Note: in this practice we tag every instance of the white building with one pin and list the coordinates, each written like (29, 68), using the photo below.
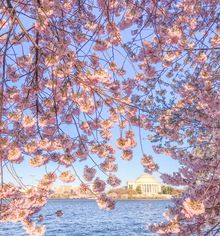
(147, 184)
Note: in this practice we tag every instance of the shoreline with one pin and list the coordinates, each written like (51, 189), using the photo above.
(135, 199)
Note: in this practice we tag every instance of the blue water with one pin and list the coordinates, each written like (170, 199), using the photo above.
(84, 218)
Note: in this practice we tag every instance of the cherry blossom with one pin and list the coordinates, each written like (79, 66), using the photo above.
(193, 207)
(105, 202)
(89, 173)
(88, 82)
(67, 177)
(98, 185)
(38, 160)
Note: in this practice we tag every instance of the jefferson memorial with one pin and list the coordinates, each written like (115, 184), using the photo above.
(147, 184)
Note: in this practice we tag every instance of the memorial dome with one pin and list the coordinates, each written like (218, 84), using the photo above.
(146, 178)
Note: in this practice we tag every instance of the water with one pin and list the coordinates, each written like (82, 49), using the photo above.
(84, 218)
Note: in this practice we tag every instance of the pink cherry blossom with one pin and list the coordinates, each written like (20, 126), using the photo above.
(38, 160)
(105, 202)
(66, 160)
(98, 185)
(14, 154)
(88, 82)
(28, 121)
(89, 173)
(193, 207)
(113, 181)
(67, 177)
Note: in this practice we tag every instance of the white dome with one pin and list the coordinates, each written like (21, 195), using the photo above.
(146, 178)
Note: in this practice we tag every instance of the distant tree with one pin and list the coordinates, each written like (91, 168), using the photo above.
(131, 193)
(167, 190)
(119, 191)
(138, 190)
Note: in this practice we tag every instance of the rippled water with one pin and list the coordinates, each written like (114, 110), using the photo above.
(84, 218)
